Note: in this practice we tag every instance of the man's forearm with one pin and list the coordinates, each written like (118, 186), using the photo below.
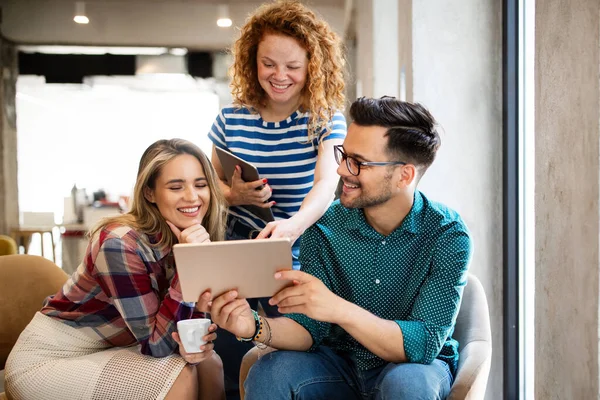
(380, 336)
(286, 334)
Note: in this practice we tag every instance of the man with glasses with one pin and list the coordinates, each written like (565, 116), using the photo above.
(373, 308)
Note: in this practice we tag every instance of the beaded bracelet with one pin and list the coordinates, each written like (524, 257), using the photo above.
(258, 322)
(266, 343)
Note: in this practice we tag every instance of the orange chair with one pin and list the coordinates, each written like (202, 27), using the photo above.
(25, 281)
(8, 246)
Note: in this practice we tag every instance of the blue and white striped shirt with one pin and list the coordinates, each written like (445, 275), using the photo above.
(280, 151)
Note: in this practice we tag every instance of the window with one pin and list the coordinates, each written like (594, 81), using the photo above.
(93, 135)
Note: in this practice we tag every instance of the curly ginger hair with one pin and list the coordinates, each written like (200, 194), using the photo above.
(326, 61)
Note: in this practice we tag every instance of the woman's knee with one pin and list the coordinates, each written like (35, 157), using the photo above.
(214, 363)
(185, 386)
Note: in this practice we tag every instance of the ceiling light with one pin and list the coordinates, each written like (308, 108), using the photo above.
(223, 20)
(80, 16)
(178, 51)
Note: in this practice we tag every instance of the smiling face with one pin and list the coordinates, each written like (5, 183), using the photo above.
(374, 185)
(181, 191)
(282, 69)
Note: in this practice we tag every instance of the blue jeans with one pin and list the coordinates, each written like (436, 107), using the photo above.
(323, 374)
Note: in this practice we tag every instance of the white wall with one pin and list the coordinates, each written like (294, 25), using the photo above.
(454, 67)
(457, 67)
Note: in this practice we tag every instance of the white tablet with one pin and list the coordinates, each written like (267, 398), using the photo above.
(249, 174)
(245, 265)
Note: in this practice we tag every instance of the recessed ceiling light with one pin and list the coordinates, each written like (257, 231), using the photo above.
(80, 16)
(178, 51)
(223, 20)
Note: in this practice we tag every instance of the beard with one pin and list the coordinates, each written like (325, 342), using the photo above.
(367, 199)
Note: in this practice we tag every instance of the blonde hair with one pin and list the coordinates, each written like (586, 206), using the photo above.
(323, 93)
(145, 217)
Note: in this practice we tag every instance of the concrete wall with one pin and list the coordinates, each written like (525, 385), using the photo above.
(383, 46)
(405, 49)
(386, 71)
(364, 48)
(566, 199)
(9, 207)
(457, 67)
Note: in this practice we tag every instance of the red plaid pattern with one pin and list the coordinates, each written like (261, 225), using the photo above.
(125, 291)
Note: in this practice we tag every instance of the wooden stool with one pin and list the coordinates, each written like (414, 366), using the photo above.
(23, 238)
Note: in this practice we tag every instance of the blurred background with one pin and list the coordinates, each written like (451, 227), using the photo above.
(87, 86)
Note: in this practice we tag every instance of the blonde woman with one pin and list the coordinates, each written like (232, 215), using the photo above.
(110, 332)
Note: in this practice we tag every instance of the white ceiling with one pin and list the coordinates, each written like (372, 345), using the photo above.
(166, 23)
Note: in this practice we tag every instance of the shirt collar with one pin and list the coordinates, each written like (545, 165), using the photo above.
(411, 221)
(357, 220)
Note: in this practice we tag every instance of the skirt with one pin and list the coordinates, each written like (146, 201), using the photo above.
(52, 360)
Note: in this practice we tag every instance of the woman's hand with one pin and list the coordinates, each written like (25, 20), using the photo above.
(283, 228)
(193, 234)
(254, 193)
(207, 348)
(233, 314)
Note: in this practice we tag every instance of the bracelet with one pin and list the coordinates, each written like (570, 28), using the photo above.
(258, 322)
(266, 343)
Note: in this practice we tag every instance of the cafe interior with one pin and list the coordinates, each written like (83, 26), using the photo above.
(88, 85)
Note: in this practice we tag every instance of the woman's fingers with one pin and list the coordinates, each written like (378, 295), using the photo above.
(206, 349)
(210, 337)
(194, 234)
(194, 358)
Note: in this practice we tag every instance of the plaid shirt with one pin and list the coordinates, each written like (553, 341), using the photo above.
(124, 292)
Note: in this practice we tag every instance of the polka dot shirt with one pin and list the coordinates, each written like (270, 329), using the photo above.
(414, 276)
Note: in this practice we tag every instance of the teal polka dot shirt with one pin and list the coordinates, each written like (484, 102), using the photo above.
(414, 276)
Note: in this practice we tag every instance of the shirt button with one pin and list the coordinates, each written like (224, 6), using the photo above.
(377, 281)
(383, 242)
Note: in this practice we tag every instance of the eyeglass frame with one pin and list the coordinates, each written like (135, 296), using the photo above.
(338, 148)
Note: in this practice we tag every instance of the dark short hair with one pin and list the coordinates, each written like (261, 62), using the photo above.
(412, 134)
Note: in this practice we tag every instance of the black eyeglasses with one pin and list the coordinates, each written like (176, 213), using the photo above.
(354, 165)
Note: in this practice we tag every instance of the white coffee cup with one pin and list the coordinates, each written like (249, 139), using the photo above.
(191, 332)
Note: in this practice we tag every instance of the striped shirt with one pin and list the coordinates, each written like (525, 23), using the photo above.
(280, 151)
(126, 291)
